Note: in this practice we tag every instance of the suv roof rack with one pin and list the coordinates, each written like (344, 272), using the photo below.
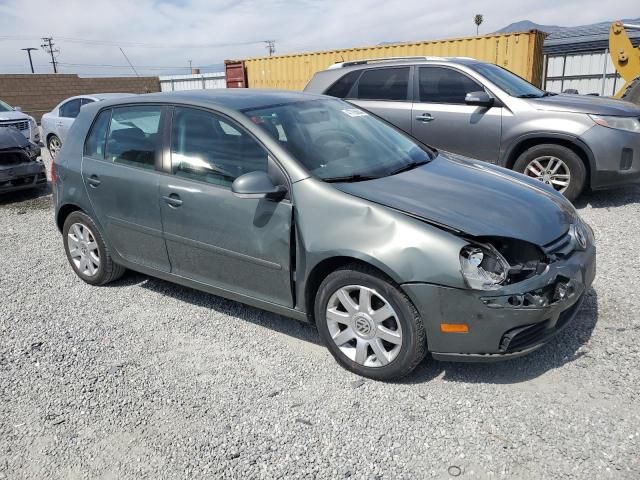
(366, 61)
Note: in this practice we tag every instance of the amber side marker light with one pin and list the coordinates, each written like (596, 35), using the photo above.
(454, 327)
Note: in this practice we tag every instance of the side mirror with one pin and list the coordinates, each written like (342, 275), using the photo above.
(481, 99)
(257, 185)
(17, 109)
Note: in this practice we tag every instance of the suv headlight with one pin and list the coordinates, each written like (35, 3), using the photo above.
(482, 267)
(631, 124)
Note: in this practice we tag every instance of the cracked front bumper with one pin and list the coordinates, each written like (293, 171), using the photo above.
(500, 325)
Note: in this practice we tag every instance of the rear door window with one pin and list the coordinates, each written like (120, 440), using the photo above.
(343, 87)
(384, 84)
(94, 146)
(71, 109)
(211, 148)
(134, 137)
(445, 85)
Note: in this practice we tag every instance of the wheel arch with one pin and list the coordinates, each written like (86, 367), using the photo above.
(523, 143)
(64, 211)
(328, 265)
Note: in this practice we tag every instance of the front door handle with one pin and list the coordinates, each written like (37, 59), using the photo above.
(59, 124)
(93, 181)
(425, 118)
(173, 200)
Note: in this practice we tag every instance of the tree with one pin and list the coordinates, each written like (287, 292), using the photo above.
(478, 21)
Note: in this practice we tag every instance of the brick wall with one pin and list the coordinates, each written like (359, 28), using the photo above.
(38, 94)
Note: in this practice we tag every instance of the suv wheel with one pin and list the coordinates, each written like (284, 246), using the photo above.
(86, 251)
(368, 324)
(555, 165)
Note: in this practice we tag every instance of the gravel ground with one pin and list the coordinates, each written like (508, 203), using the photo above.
(146, 379)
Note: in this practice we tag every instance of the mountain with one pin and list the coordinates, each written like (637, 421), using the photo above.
(526, 25)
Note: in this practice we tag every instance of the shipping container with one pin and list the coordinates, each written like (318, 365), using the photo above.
(235, 73)
(519, 52)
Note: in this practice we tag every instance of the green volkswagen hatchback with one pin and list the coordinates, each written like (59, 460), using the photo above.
(312, 208)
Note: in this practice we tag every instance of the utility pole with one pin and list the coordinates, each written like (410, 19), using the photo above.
(271, 46)
(190, 68)
(28, 50)
(48, 47)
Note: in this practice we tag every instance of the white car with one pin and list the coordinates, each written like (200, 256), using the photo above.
(13, 117)
(56, 123)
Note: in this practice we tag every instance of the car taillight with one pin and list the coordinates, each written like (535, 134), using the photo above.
(53, 171)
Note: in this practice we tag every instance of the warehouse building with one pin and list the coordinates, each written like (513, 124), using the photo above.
(577, 59)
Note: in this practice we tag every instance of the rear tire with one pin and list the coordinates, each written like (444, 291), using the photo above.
(54, 144)
(87, 252)
(380, 335)
(548, 154)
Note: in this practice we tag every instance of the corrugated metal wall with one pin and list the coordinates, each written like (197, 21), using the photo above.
(519, 52)
(170, 83)
(582, 72)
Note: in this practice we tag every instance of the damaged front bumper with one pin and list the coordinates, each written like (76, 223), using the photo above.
(20, 175)
(505, 323)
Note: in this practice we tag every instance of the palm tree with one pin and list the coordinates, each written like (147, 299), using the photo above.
(478, 21)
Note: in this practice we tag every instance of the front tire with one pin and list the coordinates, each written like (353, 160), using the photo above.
(87, 252)
(368, 324)
(555, 165)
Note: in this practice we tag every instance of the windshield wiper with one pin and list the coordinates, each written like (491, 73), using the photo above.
(530, 95)
(409, 166)
(350, 178)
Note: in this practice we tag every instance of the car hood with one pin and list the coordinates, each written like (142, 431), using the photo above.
(13, 115)
(586, 104)
(10, 138)
(474, 198)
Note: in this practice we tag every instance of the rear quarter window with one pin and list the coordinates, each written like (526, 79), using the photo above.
(94, 145)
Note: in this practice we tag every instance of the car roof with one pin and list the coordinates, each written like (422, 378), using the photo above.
(233, 98)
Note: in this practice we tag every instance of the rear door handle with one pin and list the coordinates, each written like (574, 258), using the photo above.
(94, 181)
(59, 124)
(173, 200)
(425, 118)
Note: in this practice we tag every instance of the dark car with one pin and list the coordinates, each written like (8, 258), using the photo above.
(20, 163)
(307, 206)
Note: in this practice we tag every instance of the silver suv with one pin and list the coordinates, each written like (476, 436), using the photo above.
(481, 110)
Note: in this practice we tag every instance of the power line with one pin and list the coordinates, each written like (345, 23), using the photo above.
(47, 46)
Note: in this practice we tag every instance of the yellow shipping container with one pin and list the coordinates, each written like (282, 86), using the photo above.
(519, 52)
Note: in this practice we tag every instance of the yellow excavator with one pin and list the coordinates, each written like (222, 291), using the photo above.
(626, 60)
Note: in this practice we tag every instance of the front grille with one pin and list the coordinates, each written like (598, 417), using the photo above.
(20, 125)
(529, 335)
(561, 246)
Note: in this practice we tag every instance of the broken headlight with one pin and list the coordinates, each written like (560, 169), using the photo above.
(483, 267)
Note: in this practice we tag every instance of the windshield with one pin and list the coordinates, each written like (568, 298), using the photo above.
(512, 84)
(336, 141)
(5, 107)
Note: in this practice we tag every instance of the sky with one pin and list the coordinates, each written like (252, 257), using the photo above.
(161, 36)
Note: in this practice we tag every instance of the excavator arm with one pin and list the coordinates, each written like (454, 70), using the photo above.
(626, 60)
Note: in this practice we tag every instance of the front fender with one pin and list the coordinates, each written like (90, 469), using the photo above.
(331, 223)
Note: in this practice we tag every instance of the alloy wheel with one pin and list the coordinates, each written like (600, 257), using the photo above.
(364, 326)
(54, 146)
(83, 249)
(550, 170)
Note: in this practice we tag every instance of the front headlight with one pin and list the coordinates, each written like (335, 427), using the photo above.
(631, 124)
(482, 267)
